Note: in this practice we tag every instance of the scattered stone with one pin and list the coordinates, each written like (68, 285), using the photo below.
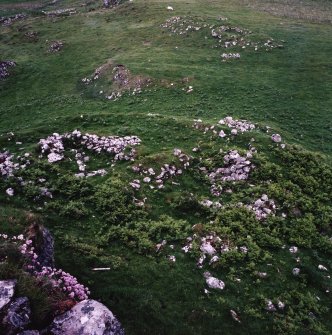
(32, 36)
(270, 307)
(276, 138)
(213, 282)
(235, 316)
(86, 318)
(172, 258)
(207, 248)
(281, 305)
(262, 274)
(10, 191)
(60, 12)
(322, 267)
(263, 207)
(226, 56)
(55, 46)
(183, 25)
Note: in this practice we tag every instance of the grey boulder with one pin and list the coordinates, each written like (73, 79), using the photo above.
(88, 317)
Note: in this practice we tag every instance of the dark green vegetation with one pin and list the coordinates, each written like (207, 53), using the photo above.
(94, 220)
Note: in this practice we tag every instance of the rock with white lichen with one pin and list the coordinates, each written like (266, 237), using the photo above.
(86, 318)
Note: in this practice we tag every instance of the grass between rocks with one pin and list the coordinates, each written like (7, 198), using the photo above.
(94, 221)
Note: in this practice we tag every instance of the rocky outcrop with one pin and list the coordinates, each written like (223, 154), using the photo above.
(43, 243)
(86, 318)
(17, 316)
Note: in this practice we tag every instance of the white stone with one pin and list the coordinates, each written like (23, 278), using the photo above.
(213, 282)
(86, 318)
(207, 248)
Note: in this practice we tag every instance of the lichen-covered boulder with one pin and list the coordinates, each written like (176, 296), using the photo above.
(88, 317)
(17, 316)
(7, 288)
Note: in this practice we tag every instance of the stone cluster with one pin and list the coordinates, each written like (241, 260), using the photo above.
(226, 56)
(236, 168)
(236, 126)
(240, 125)
(4, 65)
(167, 172)
(60, 12)
(8, 20)
(263, 207)
(219, 32)
(55, 46)
(53, 146)
(7, 165)
(182, 25)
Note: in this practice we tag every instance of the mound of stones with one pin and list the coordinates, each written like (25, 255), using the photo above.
(122, 80)
(55, 46)
(4, 68)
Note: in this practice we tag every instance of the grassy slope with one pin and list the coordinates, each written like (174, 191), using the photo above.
(288, 89)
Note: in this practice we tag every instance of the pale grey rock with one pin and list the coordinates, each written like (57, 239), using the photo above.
(213, 282)
(88, 317)
(7, 288)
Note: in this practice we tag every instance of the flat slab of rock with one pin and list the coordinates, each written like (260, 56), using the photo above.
(88, 317)
(7, 288)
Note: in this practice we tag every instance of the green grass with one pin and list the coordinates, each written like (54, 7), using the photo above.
(288, 89)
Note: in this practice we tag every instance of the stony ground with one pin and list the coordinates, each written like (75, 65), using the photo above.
(183, 148)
